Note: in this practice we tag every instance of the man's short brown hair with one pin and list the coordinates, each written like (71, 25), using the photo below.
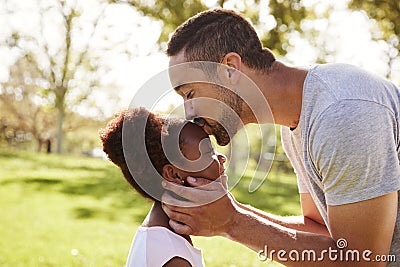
(210, 35)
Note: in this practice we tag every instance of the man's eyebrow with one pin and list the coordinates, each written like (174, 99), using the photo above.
(177, 88)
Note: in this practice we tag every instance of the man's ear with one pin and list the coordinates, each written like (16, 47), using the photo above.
(170, 173)
(232, 66)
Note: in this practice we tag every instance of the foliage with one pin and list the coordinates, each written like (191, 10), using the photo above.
(27, 121)
(81, 134)
(25, 113)
(287, 15)
(171, 13)
(59, 52)
(79, 211)
(387, 15)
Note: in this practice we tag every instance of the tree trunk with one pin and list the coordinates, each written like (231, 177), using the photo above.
(60, 97)
(60, 132)
(48, 146)
(40, 144)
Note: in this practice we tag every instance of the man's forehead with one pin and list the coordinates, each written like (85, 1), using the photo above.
(184, 74)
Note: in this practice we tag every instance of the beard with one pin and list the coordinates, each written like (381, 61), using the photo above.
(221, 134)
(228, 124)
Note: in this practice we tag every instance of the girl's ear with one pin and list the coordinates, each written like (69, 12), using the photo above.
(170, 173)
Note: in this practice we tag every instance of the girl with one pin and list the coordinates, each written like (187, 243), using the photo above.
(155, 244)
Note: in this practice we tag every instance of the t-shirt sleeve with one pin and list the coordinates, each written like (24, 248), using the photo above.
(301, 185)
(354, 150)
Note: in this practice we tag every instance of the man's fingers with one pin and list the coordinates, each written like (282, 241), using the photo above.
(195, 197)
(180, 228)
(167, 198)
(185, 192)
(176, 215)
(224, 181)
(197, 182)
(206, 184)
(180, 222)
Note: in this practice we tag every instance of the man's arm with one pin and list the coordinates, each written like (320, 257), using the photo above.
(226, 217)
(366, 225)
(311, 220)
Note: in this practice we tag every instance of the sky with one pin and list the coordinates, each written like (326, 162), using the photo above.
(345, 35)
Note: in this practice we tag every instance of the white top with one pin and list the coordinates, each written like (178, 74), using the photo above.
(155, 246)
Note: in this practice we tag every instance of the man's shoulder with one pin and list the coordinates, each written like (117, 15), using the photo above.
(347, 76)
(333, 68)
(331, 85)
(330, 72)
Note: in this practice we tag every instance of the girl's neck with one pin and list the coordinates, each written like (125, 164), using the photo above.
(157, 217)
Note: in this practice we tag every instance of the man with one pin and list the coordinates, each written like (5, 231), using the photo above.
(340, 129)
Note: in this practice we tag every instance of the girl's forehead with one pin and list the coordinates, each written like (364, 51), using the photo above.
(193, 131)
(194, 136)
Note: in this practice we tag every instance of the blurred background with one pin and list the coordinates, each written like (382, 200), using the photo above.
(67, 66)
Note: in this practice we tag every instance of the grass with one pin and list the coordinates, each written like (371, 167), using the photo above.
(77, 211)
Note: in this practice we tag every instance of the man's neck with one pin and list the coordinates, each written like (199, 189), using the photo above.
(282, 90)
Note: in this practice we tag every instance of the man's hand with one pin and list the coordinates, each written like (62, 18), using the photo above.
(207, 210)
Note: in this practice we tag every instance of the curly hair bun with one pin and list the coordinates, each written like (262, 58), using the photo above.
(132, 141)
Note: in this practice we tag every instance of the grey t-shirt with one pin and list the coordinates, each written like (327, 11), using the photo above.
(346, 147)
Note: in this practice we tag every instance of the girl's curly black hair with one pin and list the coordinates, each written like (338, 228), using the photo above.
(139, 127)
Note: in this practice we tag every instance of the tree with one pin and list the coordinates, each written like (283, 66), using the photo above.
(24, 110)
(386, 13)
(170, 12)
(63, 52)
(286, 16)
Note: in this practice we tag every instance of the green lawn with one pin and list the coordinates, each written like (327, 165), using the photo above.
(78, 211)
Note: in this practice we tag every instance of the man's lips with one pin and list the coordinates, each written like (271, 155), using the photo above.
(199, 121)
(203, 124)
(207, 129)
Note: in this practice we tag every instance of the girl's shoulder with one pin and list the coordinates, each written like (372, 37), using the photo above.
(158, 245)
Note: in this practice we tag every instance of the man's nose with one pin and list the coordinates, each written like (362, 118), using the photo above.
(221, 158)
(189, 111)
